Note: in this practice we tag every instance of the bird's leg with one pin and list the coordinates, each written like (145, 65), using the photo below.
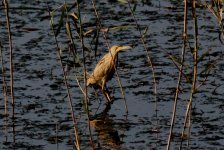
(103, 84)
(107, 95)
(105, 91)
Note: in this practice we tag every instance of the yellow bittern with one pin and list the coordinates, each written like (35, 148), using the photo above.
(105, 70)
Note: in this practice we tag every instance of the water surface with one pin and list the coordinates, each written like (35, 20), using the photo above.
(41, 107)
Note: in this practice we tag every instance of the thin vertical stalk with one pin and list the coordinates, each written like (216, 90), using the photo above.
(11, 59)
(75, 128)
(179, 76)
(3, 80)
(148, 57)
(73, 44)
(6, 5)
(195, 56)
(189, 131)
(4, 92)
(108, 46)
(56, 138)
(84, 71)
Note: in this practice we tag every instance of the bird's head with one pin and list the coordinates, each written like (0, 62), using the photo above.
(117, 48)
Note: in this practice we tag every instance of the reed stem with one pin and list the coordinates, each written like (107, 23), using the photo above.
(151, 66)
(193, 89)
(75, 128)
(84, 71)
(179, 76)
(11, 57)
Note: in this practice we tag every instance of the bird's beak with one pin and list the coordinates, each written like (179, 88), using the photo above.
(121, 48)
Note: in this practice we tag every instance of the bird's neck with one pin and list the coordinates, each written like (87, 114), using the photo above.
(113, 55)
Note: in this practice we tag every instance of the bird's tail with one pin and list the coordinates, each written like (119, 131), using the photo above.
(90, 79)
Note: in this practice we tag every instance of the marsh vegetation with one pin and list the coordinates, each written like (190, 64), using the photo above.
(167, 91)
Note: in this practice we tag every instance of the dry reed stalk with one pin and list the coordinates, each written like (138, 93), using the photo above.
(189, 131)
(179, 76)
(216, 8)
(84, 71)
(75, 128)
(151, 66)
(6, 5)
(69, 33)
(193, 88)
(11, 58)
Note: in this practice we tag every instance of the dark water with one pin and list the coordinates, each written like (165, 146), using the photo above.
(41, 106)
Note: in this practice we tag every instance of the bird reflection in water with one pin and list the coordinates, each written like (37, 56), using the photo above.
(108, 137)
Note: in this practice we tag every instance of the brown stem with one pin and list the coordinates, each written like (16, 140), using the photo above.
(11, 66)
(75, 128)
(11, 60)
(179, 77)
(84, 71)
(151, 66)
(195, 55)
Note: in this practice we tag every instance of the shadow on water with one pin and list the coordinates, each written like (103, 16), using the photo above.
(42, 114)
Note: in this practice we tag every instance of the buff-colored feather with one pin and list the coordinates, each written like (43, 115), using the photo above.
(105, 68)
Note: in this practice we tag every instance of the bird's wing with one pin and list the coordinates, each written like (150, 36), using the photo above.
(102, 68)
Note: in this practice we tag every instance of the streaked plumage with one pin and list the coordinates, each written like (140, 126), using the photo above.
(105, 69)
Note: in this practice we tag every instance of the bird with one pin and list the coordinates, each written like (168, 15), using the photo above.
(105, 70)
